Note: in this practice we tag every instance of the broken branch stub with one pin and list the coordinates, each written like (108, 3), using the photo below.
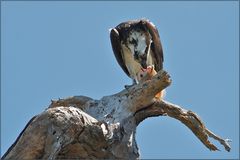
(143, 94)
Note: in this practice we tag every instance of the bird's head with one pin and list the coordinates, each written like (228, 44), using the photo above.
(139, 44)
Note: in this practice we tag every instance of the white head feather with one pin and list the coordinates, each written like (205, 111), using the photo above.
(141, 42)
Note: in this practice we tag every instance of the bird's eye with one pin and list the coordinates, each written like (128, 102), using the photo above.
(141, 75)
(133, 41)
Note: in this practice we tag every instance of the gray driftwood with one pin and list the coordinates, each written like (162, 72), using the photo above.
(84, 128)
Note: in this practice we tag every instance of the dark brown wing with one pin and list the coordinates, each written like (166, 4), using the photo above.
(117, 49)
(156, 45)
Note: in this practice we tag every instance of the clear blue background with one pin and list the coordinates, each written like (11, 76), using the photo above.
(56, 49)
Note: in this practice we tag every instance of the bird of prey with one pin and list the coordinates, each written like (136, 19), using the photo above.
(136, 45)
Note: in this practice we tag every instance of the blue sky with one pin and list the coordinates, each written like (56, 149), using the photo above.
(56, 49)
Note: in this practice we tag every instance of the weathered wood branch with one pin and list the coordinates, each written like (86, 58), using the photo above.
(81, 127)
(187, 117)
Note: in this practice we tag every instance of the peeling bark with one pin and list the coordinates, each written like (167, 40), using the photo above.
(80, 127)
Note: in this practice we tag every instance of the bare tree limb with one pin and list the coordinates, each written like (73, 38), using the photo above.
(187, 117)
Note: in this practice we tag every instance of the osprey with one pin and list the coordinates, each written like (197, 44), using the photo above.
(136, 45)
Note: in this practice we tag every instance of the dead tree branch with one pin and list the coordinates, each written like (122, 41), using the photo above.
(81, 127)
(187, 117)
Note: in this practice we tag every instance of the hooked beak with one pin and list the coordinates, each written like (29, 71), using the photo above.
(144, 64)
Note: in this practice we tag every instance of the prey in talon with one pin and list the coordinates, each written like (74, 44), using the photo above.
(146, 75)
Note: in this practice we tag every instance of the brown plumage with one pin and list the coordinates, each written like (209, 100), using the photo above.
(136, 45)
